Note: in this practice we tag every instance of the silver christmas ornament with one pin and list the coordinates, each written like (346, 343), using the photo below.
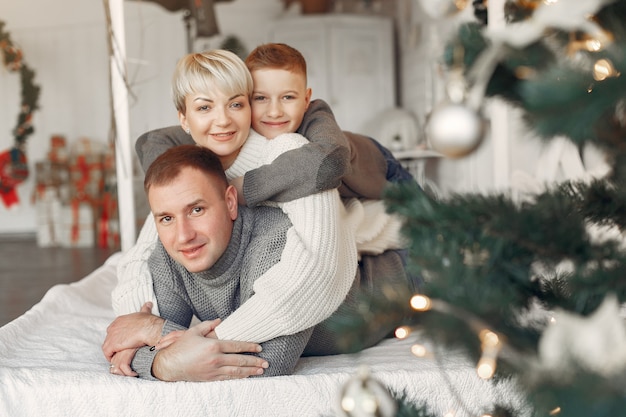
(364, 396)
(454, 129)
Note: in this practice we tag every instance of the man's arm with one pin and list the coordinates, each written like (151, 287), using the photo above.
(195, 356)
(317, 166)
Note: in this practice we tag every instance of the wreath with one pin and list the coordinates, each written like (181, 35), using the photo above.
(13, 163)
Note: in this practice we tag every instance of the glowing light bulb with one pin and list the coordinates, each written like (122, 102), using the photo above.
(348, 404)
(486, 368)
(489, 338)
(402, 332)
(420, 302)
(603, 69)
(419, 350)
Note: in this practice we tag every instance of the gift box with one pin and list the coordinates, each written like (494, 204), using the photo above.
(82, 181)
(58, 149)
(77, 225)
(49, 216)
(108, 228)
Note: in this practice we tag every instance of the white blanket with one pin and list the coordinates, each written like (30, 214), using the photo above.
(51, 365)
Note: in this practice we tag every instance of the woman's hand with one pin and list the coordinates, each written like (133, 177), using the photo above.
(194, 356)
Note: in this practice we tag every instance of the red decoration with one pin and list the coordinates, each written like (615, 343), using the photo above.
(13, 171)
(13, 164)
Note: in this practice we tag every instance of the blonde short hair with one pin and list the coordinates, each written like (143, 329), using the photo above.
(215, 69)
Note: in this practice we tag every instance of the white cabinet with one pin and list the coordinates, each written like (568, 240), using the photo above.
(350, 62)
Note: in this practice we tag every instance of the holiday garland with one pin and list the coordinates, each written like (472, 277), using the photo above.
(13, 165)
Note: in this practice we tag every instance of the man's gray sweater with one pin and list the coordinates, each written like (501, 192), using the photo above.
(256, 244)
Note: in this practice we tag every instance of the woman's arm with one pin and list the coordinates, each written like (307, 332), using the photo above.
(134, 285)
(134, 281)
(317, 266)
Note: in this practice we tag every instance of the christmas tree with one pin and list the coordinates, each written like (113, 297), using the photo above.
(530, 288)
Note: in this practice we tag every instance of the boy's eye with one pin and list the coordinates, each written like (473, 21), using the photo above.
(258, 98)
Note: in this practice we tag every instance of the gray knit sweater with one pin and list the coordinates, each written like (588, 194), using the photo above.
(256, 245)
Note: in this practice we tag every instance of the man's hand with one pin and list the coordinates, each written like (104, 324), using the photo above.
(194, 357)
(132, 331)
(120, 363)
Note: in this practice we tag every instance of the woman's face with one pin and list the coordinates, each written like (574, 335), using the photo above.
(218, 122)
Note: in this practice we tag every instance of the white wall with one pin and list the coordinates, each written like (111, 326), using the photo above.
(65, 43)
(66, 46)
(66, 52)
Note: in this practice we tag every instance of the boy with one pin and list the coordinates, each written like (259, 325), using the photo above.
(281, 103)
(358, 165)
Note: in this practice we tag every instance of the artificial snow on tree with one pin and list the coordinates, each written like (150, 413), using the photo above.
(531, 289)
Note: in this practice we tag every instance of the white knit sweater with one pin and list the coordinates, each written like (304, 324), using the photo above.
(317, 266)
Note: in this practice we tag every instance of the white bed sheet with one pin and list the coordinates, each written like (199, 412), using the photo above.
(51, 365)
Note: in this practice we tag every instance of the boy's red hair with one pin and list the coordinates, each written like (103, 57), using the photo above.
(276, 56)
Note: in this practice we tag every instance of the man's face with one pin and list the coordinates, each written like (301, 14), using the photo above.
(194, 218)
(218, 121)
(279, 101)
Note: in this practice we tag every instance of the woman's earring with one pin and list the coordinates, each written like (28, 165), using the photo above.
(188, 131)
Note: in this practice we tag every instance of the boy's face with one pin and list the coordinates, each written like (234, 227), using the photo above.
(194, 218)
(218, 121)
(279, 101)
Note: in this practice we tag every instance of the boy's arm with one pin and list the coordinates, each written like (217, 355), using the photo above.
(368, 169)
(153, 143)
(317, 166)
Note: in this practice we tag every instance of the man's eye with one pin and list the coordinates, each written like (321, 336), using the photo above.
(289, 97)
(197, 210)
(166, 219)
